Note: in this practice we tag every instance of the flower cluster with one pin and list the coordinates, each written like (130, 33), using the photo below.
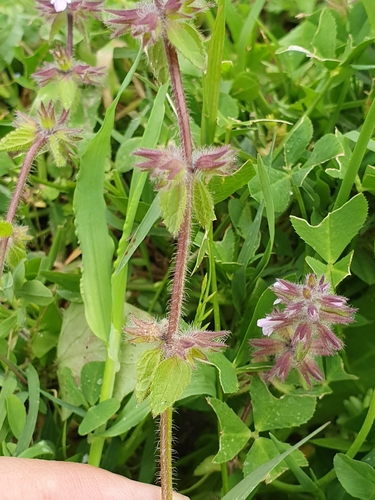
(303, 329)
(146, 20)
(169, 166)
(49, 130)
(65, 68)
(186, 345)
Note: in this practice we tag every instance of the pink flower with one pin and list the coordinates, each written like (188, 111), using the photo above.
(303, 329)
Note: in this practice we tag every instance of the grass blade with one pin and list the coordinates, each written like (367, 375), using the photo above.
(34, 398)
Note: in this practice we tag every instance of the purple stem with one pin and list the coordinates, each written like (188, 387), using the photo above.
(183, 242)
(17, 193)
(69, 42)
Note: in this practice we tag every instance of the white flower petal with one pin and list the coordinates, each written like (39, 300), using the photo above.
(60, 5)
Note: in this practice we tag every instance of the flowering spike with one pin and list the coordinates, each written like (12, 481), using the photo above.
(302, 330)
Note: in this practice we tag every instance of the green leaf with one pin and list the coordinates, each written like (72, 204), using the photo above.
(146, 367)
(334, 233)
(245, 87)
(42, 448)
(90, 211)
(274, 413)
(7, 325)
(172, 202)
(357, 478)
(298, 142)
(69, 388)
(211, 80)
(243, 489)
(170, 380)
(222, 187)
(16, 414)
(35, 292)
(33, 410)
(336, 272)
(9, 386)
(280, 189)
(187, 40)
(6, 229)
(98, 415)
(227, 371)
(324, 40)
(263, 450)
(91, 380)
(202, 203)
(158, 60)
(67, 91)
(326, 148)
(18, 140)
(234, 434)
(247, 33)
(130, 416)
(58, 157)
(203, 381)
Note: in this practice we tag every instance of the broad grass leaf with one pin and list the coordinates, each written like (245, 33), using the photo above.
(186, 39)
(42, 448)
(202, 203)
(91, 224)
(16, 414)
(172, 202)
(357, 478)
(298, 142)
(211, 80)
(243, 489)
(335, 232)
(98, 415)
(170, 380)
(278, 413)
(234, 434)
(33, 410)
(263, 450)
(247, 32)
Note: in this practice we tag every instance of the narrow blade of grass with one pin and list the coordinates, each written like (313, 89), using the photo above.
(34, 398)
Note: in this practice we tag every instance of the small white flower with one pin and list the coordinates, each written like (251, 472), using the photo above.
(60, 5)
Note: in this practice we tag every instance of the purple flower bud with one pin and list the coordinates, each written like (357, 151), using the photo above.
(165, 165)
(214, 161)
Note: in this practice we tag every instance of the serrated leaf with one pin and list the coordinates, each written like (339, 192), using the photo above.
(98, 415)
(158, 60)
(226, 369)
(146, 367)
(54, 145)
(334, 233)
(6, 229)
(324, 40)
(202, 203)
(18, 140)
(67, 90)
(170, 380)
(234, 434)
(172, 204)
(187, 40)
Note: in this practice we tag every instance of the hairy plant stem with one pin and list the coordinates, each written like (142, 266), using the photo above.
(183, 245)
(17, 193)
(69, 41)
